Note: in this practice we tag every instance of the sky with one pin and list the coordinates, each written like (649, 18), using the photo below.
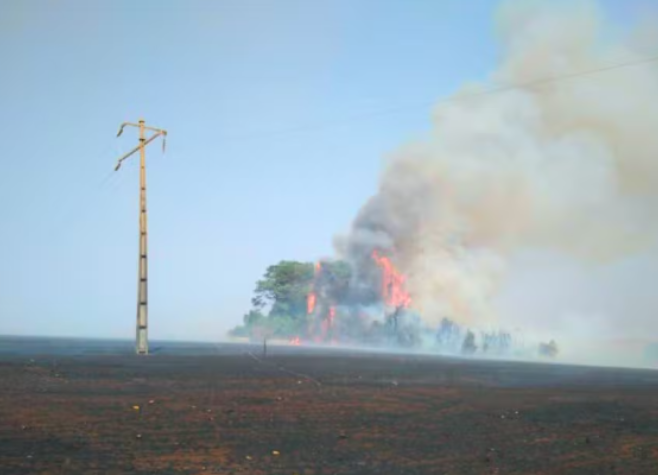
(279, 113)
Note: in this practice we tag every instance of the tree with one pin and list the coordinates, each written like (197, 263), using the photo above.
(253, 318)
(335, 278)
(251, 321)
(285, 287)
(469, 347)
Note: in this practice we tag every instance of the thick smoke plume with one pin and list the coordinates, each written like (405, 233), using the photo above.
(568, 165)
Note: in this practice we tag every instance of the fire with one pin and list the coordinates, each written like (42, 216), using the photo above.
(393, 291)
(310, 302)
(332, 314)
(295, 341)
(311, 298)
(323, 311)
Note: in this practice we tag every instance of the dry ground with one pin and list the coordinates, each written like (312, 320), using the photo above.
(321, 413)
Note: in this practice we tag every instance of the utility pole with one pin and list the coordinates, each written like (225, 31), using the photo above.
(141, 337)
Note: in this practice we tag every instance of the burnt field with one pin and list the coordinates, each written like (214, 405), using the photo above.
(95, 408)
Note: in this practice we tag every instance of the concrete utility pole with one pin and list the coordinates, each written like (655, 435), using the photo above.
(141, 344)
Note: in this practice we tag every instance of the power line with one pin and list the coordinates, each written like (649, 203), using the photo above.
(64, 210)
(553, 79)
(442, 102)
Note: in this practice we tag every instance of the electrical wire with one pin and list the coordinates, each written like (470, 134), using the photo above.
(442, 102)
(114, 183)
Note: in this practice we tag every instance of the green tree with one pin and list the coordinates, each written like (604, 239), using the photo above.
(252, 320)
(284, 287)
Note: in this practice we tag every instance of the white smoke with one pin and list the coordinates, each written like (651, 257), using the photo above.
(568, 165)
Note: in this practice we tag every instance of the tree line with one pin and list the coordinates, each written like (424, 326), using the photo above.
(279, 303)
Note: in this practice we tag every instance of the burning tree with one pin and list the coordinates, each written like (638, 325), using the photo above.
(279, 302)
(396, 300)
(342, 297)
(393, 292)
(320, 302)
(329, 289)
(290, 291)
(364, 302)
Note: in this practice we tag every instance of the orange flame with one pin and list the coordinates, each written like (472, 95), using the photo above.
(295, 341)
(310, 302)
(393, 291)
(311, 297)
(331, 316)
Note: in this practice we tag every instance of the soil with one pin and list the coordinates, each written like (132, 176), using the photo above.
(228, 409)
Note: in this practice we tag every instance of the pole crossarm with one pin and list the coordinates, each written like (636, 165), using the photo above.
(146, 127)
(159, 133)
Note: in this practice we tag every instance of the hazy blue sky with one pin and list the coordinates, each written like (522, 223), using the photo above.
(273, 145)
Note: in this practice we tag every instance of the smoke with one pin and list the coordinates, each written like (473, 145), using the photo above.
(568, 165)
